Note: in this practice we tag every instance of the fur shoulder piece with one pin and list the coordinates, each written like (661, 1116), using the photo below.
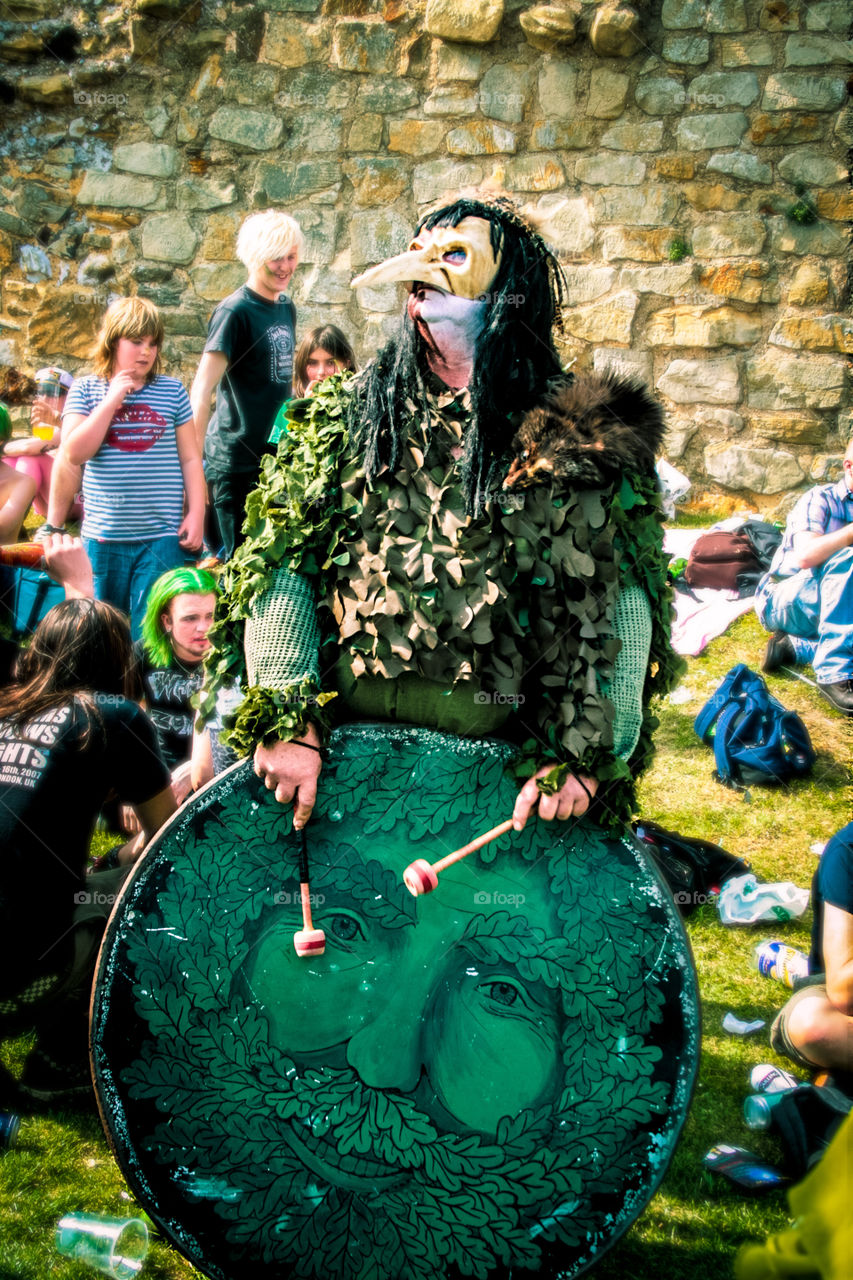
(587, 432)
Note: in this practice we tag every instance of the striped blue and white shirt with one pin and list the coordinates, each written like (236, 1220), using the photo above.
(133, 488)
(823, 509)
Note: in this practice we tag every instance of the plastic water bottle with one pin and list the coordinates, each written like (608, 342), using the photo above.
(758, 1109)
(777, 960)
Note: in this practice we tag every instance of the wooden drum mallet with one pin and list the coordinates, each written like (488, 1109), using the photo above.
(307, 941)
(421, 876)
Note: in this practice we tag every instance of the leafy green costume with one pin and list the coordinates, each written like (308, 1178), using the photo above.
(503, 622)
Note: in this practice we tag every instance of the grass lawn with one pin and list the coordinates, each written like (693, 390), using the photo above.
(695, 1223)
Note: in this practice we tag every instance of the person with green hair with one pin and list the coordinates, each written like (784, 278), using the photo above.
(178, 617)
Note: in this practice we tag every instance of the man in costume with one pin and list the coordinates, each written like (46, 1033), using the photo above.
(461, 537)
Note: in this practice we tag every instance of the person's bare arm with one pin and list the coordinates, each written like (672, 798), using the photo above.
(191, 532)
(838, 957)
(83, 436)
(154, 812)
(813, 549)
(570, 801)
(209, 374)
(66, 561)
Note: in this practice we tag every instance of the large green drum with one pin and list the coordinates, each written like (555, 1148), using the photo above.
(487, 1080)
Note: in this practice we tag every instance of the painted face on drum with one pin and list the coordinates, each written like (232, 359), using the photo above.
(403, 995)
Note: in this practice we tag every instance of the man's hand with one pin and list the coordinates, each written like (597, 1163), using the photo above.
(569, 802)
(292, 771)
(67, 563)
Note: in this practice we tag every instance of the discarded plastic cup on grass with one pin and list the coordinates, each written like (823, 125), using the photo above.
(743, 900)
(114, 1246)
(765, 1078)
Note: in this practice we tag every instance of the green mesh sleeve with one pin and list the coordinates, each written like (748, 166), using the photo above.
(282, 637)
(632, 623)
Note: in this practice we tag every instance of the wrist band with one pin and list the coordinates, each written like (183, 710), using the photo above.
(309, 745)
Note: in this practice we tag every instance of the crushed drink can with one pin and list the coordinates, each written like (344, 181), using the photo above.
(777, 960)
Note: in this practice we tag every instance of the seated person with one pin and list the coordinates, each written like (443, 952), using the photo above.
(35, 455)
(806, 599)
(70, 733)
(815, 1028)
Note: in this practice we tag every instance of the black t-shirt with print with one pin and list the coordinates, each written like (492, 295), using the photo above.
(167, 700)
(257, 337)
(52, 787)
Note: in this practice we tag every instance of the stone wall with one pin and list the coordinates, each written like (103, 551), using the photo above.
(686, 159)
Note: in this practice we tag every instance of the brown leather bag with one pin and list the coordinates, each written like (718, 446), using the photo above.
(720, 560)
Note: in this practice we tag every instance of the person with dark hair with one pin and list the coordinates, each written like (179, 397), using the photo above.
(321, 353)
(70, 734)
(476, 534)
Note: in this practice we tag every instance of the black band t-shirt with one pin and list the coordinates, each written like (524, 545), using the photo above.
(167, 698)
(257, 337)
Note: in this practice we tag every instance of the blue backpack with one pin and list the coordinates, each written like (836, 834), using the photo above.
(756, 740)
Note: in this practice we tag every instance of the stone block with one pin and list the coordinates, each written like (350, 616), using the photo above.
(504, 89)
(436, 176)
(814, 333)
(480, 138)
(690, 326)
(643, 206)
(741, 164)
(565, 223)
(792, 91)
(471, 22)
(624, 361)
(62, 325)
(701, 381)
(220, 236)
(51, 90)
(243, 127)
(828, 15)
(115, 191)
(835, 205)
(740, 466)
(369, 46)
(669, 280)
(377, 235)
(677, 166)
(616, 31)
(730, 236)
(535, 173)
(703, 132)
(387, 96)
(457, 62)
(812, 168)
(747, 51)
(608, 321)
(681, 15)
(37, 203)
(365, 133)
(585, 284)
(608, 93)
(251, 85)
(817, 51)
(803, 428)
(739, 281)
(289, 43)
(315, 131)
(382, 297)
(780, 380)
(785, 128)
(320, 228)
(214, 281)
(416, 137)
(660, 95)
(691, 50)
(450, 101)
(722, 89)
(812, 285)
(631, 136)
(779, 17)
(724, 16)
(558, 85)
(820, 238)
(154, 159)
(324, 286)
(316, 90)
(562, 135)
(610, 168)
(679, 433)
(376, 180)
(619, 243)
(275, 184)
(212, 193)
(551, 27)
(169, 237)
(167, 295)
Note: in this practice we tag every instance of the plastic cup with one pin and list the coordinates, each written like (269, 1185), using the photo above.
(43, 430)
(114, 1246)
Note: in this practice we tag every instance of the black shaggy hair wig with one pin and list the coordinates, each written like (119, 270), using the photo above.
(514, 358)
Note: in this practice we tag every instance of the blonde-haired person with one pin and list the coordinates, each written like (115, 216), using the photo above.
(248, 362)
(133, 427)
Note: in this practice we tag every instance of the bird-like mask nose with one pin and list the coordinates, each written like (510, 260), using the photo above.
(459, 260)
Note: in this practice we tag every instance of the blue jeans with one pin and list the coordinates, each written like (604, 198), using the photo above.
(815, 608)
(126, 571)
